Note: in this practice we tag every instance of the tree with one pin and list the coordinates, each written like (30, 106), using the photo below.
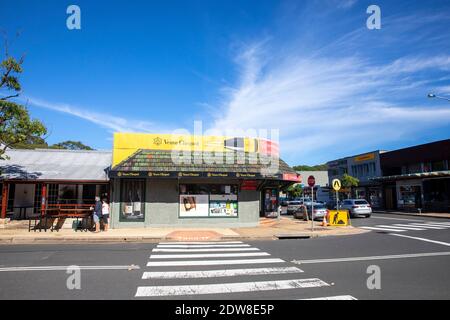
(16, 126)
(295, 190)
(71, 145)
(349, 182)
(319, 167)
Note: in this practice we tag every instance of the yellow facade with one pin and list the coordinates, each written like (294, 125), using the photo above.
(126, 144)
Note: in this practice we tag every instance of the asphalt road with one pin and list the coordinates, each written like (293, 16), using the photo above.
(413, 264)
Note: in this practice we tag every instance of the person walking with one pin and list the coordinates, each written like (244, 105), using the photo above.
(105, 214)
(97, 214)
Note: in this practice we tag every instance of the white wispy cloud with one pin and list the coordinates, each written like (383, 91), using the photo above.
(319, 102)
(107, 121)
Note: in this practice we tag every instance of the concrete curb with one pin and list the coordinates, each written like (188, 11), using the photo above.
(150, 239)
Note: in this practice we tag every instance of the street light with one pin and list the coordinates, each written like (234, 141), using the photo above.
(432, 95)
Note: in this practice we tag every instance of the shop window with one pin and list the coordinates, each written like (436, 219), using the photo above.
(132, 199)
(208, 200)
(67, 193)
(438, 166)
(89, 193)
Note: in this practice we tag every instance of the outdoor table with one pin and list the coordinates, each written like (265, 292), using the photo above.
(63, 214)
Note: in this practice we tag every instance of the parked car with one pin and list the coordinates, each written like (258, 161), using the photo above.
(293, 206)
(357, 207)
(320, 210)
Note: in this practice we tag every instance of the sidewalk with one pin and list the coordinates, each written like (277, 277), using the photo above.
(428, 215)
(268, 229)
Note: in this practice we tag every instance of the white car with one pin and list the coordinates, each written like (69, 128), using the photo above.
(357, 207)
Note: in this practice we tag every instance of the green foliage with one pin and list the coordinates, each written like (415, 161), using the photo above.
(71, 145)
(295, 190)
(32, 142)
(16, 126)
(348, 181)
(319, 167)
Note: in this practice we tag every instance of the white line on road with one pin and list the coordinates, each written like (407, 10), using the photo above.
(423, 225)
(398, 219)
(201, 242)
(422, 239)
(203, 245)
(158, 291)
(437, 225)
(440, 223)
(219, 273)
(208, 255)
(398, 227)
(204, 250)
(387, 257)
(211, 262)
(64, 268)
(344, 297)
(382, 229)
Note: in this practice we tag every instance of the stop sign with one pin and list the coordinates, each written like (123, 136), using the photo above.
(311, 181)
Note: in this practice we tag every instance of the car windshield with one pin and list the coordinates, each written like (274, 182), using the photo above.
(361, 202)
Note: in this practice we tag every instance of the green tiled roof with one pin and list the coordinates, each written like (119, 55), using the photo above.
(161, 161)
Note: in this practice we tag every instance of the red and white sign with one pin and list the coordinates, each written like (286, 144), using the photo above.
(311, 181)
(249, 185)
(292, 177)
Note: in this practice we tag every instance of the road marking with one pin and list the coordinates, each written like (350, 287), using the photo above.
(208, 255)
(387, 257)
(382, 229)
(203, 246)
(398, 219)
(202, 242)
(423, 225)
(400, 225)
(211, 262)
(438, 225)
(422, 239)
(204, 250)
(344, 297)
(443, 223)
(219, 273)
(64, 268)
(158, 291)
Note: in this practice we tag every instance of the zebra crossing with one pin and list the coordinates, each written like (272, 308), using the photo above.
(412, 226)
(193, 269)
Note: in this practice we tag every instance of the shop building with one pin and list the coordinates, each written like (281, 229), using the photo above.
(162, 180)
(417, 178)
(32, 180)
(364, 167)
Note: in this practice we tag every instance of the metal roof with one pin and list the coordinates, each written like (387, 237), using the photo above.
(434, 174)
(56, 164)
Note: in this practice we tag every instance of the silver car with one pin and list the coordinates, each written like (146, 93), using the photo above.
(319, 211)
(293, 206)
(357, 207)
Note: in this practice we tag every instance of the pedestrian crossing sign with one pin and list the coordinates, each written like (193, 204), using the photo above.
(338, 218)
(336, 183)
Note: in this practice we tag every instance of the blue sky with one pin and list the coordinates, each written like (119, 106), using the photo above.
(310, 69)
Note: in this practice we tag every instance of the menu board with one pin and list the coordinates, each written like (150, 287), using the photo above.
(225, 205)
(194, 205)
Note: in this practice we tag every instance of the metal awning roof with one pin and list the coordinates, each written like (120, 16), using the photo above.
(54, 164)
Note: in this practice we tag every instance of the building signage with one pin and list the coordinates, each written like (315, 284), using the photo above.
(126, 144)
(292, 177)
(189, 174)
(173, 174)
(364, 157)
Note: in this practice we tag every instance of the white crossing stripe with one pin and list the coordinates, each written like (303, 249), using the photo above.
(219, 273)
(383, 229)
(344, 297)
(423, 239)
(201, 242)
(208, 255)
(211, 262)
(202, 245)
(438, 225)
(204, 250)
(441, 223)
(158, 291)
(388, 257)
(423, 225)
(400, 226)
(65, 268)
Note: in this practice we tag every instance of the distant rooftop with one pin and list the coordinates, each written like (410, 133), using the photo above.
(55, 164)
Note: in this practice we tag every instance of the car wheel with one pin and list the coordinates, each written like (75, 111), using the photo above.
(368, 216)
